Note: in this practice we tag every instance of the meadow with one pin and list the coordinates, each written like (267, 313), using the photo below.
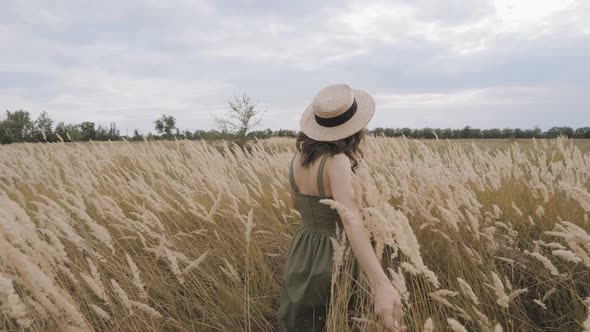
(192, 236)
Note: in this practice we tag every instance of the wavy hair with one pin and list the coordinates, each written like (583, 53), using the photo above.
(311, 149)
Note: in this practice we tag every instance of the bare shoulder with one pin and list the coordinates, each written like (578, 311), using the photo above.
(339, 163)
(341, 179)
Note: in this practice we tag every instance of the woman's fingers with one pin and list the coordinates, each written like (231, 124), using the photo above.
(388, 307)
(400, 326)
(397, 312)
(398, 316)
(393, 323)
(389, 323)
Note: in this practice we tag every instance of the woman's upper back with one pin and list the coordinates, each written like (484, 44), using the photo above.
(310, 181)
(331, 173)
(329, 176)
(316, 216)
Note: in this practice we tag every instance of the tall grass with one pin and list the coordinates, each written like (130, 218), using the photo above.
(185, 236)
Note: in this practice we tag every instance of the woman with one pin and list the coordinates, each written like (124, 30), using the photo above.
(331, 130)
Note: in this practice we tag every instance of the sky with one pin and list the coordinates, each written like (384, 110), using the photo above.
(427, 63)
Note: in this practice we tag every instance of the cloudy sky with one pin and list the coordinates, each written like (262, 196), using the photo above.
(428, 63)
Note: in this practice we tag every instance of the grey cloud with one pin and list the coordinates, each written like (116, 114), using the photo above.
(523, 107)
(451, 12)
(131, 61)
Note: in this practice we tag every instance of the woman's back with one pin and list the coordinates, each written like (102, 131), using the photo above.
(314, 215)
(307, 178)
(308, 270)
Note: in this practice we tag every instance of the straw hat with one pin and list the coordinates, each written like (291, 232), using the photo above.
(336, 112)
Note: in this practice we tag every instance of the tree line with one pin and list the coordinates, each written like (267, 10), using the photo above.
(19, 126)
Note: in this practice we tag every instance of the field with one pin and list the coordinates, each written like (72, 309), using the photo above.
(192, 236)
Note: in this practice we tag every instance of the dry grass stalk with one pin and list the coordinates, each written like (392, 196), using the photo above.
(455, 325)
(444, 210)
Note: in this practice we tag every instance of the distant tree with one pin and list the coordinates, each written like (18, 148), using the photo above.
(215, 134)
(165, 125)
(417, 133)
(150, 136)
(507, 133)
(113, 133)
(406, 132)
(16, 127)
(187, 134)
(475, 133)
(427, 133)
(446, 133)
(60, 130)
(69, 132)
(285, 133)
(241, 118)
(237, 125)
(536, 131)
(492, 133)
(136, 136)
(583, 132)
(379, 131)
(43, 128)
(392, 132)
(178, 134)
(102, 134)
(198, 134)
(465, 132)
(89, 132)
(267, 133)
(440, 133)
(553, 132)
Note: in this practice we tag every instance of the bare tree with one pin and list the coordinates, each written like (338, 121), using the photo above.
(241, 118)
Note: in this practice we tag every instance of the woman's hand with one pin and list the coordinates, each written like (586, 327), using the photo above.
(388, 307)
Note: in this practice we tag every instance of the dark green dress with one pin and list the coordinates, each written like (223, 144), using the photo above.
(308, 270)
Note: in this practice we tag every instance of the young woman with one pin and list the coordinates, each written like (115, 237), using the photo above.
(331, 129)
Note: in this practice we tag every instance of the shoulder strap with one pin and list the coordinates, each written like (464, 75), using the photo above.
(291, 177)
(320, 174)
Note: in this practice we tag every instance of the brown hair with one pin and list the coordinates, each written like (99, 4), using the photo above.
(311, 149)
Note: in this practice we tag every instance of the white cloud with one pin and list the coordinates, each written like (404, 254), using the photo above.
(440, 62)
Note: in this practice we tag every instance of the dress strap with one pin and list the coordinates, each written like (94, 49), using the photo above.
(291, 177)
(320, 174)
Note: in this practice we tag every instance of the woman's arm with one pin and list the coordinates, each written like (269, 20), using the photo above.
(387, 299)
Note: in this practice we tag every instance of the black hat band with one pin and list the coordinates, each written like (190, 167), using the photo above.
(339, 119)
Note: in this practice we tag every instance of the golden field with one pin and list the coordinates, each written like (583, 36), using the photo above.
(192, 236)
